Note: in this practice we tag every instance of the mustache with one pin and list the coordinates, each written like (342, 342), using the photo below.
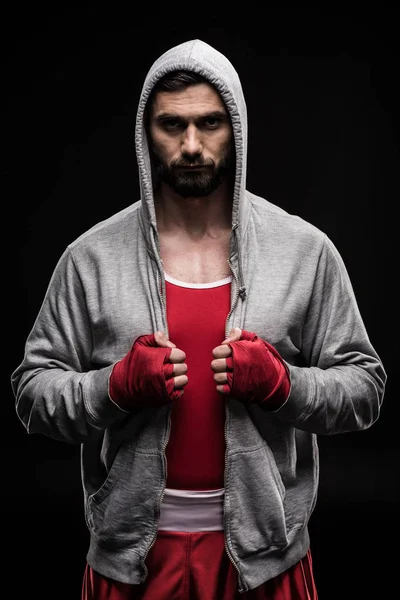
(192, 162)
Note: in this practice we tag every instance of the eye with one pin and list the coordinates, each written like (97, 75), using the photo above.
(212, 122)
(172, 124)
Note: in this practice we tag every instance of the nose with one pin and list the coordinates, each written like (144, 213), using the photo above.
(191, 142)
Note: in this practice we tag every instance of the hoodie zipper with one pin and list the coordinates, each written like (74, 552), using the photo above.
(225, 519)
(165, 443)
(233, 306)
(226, 428)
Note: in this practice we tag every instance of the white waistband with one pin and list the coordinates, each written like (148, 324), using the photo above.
(188, 510)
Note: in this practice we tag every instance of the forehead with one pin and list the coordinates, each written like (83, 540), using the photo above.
(194, 100)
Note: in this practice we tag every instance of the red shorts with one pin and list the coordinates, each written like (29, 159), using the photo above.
(195, 566)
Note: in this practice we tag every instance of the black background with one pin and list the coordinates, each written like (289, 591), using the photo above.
(322, 98)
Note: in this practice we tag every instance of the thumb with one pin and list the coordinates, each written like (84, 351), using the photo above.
(162, 340)
(234, 335)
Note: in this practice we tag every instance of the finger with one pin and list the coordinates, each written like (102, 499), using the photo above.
(179, 369)
(218, 365)
(180, 381)
(221, 352)
(162, 340)
(177, 356)
(223, 389)
(220, 378)
(234, 335)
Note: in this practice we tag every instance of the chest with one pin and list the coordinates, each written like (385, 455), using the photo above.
(200, 262)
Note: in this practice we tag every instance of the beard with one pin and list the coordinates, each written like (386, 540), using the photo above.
(195, 184)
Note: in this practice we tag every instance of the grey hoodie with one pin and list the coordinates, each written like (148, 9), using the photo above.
(290, 286)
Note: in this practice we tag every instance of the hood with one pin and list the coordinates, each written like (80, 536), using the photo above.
(194, 55)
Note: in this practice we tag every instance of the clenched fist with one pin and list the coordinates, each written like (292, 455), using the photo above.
(250, 370)
(152, 373)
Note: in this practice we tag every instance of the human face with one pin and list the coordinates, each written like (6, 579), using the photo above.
(191, 139)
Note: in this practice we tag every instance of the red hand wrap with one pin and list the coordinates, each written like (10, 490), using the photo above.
(256, 372)
(144, 376)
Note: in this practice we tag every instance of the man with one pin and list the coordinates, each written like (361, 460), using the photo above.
(196, 344)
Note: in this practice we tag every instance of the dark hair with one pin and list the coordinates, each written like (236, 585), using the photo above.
(172, 82)
(178, 80)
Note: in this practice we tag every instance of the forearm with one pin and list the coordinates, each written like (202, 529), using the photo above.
(65, 405)
(340, 399)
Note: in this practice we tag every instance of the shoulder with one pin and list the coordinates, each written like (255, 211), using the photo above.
(289, 239)
(112, 232)
(271, 220)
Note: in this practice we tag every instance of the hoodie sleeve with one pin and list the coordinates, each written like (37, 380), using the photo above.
(341, 387)
(58, 392)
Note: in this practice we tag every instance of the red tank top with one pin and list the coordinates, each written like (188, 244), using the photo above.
(196, 315)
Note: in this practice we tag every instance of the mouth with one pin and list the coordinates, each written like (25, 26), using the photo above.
(191, 168)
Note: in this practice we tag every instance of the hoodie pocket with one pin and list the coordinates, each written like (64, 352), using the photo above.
(254, 503)
(127, 500)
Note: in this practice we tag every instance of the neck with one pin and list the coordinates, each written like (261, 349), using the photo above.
(207, 215)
